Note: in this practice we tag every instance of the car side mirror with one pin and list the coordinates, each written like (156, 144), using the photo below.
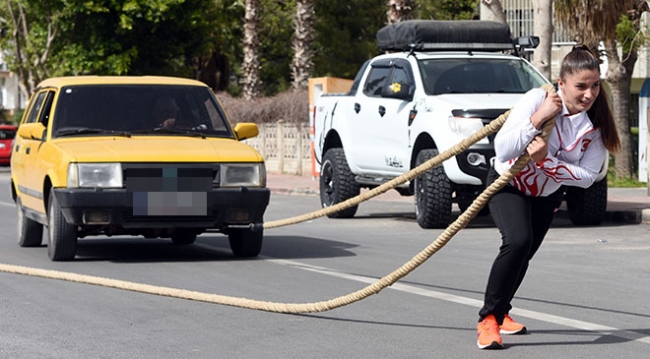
(245, 130)
(398, 90)
(32, 131)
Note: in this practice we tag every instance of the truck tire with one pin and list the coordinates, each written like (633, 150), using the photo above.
(587, 206)
(62, 238)
(337, 183)
(30, 232)
(433, 192)
(245, 243)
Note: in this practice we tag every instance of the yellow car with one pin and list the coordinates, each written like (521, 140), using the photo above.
(148, 156)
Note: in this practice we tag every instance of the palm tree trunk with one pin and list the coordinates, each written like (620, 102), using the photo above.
(543, 27)
(619, 76)
(303, 39)
(400, 10)
(495, 12)
(251, 65)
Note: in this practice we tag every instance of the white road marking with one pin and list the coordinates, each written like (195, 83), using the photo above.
(8, 204)
(549, 318)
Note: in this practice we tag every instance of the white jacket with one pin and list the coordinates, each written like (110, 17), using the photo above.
(575, 149)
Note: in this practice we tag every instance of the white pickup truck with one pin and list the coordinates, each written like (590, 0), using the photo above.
(437, 83)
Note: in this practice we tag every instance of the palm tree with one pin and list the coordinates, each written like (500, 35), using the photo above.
(400, 10)
(303, 38)
(598, 22)
(251, 65)
(543, 27)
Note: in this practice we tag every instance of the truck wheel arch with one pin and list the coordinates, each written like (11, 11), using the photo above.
(332, 140)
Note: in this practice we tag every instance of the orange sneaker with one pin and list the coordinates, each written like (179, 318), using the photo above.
(509, 326)
(488, 334)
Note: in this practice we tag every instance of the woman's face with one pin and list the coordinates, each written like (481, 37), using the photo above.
(579, 90)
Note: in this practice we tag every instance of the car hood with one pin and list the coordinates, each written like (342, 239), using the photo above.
(157, 149)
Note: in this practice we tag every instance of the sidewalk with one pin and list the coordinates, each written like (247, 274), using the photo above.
(624, 205)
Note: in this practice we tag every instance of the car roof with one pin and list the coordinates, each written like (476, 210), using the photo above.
(118, 80)
(7, 127)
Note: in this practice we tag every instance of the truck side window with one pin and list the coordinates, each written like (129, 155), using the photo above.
(375, 81)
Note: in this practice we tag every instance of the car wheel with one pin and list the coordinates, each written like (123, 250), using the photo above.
(337, 183)
(62, 239)
(245, 242)
(433, 191)
(183, 236)
(587, 206)
(30, 232)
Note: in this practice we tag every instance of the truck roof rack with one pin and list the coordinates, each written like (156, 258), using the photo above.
(445, 35)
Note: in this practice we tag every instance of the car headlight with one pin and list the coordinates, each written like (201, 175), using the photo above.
(92, 175)
(466, 126)
(243, 175)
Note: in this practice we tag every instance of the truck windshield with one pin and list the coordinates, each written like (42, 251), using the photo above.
(138, 109)
(478, 76)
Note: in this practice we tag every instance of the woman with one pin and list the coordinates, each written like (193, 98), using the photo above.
(572, 156)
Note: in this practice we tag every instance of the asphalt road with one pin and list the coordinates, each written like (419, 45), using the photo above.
(586, 295)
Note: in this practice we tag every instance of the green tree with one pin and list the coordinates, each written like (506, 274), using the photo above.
(447, 9)
(106, 37)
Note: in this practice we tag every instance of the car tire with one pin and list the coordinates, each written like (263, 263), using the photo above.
(183, 237)
(245, 243)
(30, 232)
(62, 236)
(587, 206)
(433, 193)
(337, 183)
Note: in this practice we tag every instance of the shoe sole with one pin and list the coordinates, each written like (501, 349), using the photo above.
(520, 331)
(493, 345)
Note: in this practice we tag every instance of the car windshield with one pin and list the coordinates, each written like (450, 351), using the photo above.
(126, 110)
(464, 76)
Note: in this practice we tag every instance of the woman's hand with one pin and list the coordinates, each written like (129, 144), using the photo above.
(551, 106)
(537, 149)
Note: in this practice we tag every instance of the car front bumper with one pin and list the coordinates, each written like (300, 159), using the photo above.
(217, 209)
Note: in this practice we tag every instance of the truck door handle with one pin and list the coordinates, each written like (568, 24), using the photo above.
(357, 107)
(382, 111)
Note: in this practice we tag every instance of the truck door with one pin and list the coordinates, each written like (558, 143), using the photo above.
(385, 143)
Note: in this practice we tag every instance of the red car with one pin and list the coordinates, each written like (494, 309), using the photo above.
(7, 134)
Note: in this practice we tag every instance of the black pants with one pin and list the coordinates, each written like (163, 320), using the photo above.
(523, 222)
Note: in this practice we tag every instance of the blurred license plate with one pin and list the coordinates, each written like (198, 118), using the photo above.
(170, 204)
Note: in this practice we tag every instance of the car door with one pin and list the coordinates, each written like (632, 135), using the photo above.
(31, 149)
(385, 142)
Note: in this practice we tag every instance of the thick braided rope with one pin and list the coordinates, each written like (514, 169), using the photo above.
(295, 308)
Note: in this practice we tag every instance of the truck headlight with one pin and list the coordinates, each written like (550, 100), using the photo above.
(92, 175)
(243, 175)
(465, 126)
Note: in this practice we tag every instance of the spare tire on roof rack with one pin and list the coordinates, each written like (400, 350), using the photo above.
(445, 35)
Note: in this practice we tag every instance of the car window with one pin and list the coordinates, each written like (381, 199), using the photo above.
(137, 109)
(478, 76)
(36, 107)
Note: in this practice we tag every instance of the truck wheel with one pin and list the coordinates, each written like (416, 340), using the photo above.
(30, 232)
(62, 239)
(337, 183)
(183, 236)
(245, 242)
(433, 192)
(587, 206)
